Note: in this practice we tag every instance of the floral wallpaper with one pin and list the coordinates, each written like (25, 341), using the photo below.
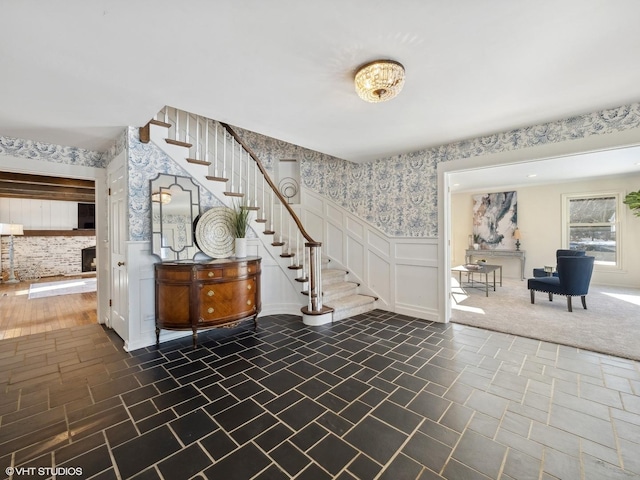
(399, 194)
(118, 147)
(18, 147)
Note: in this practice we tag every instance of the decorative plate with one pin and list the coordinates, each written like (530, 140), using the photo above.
(213, 233)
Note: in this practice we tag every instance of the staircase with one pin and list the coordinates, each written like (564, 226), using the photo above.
(218, 158)
(342, 295)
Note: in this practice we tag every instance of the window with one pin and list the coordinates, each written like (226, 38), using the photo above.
(592, 225)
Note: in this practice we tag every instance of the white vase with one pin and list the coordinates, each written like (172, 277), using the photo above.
(241, 247)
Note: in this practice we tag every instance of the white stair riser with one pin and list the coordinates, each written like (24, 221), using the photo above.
(350, 312)
(330, 295)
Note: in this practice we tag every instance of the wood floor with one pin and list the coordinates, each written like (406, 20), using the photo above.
(20, 316)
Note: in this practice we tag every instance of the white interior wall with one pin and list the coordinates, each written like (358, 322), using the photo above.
(540, 222)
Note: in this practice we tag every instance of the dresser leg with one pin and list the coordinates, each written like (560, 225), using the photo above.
(255, 323)
(195, 338)
(157, 335)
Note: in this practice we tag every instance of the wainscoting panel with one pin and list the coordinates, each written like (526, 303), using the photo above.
(334, 243)
(279, 293)
(334, 214)
(400, 271)
(355, 228)
(379, 277)
(314, 203)
(314, 225)
(416, 251)
(356, 255)
(377, 241)
(418, 291)
(141, 321)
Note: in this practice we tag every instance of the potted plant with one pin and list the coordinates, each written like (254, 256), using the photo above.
(239, 224)
(633, 200)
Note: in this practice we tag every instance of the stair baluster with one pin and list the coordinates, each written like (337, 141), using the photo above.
(232, 165)
(255, 185)
(177, 126)
(247, 191)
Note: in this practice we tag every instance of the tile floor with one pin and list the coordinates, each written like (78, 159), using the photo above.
(379, 395)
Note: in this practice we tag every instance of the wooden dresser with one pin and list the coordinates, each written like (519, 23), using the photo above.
(198, 295)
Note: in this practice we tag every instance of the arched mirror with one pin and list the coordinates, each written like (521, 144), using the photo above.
(175, 204)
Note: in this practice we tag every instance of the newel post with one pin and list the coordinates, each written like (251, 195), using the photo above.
(315, 313)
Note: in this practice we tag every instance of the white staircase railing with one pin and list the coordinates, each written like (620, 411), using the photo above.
(216, 146)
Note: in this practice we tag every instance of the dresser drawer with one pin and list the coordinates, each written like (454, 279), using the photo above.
(179, 275)
(228, 300)
(209, 273)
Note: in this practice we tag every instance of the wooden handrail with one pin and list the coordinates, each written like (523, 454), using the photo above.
(246, 147)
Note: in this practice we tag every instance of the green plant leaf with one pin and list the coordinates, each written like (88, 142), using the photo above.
(239, 219)
(633, 201)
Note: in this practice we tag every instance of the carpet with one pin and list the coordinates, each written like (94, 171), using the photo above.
(610, 325)
(63, 287)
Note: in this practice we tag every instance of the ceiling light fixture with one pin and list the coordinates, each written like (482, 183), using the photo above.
(379, 81)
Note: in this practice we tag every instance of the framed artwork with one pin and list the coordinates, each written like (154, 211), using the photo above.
(495, 218)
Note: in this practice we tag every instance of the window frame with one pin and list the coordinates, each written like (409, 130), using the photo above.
(617, 224)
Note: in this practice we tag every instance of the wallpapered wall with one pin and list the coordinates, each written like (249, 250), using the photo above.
(399, 194)
(18, 147)
(396, 194)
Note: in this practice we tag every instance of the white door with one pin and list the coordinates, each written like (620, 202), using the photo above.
(117, 244)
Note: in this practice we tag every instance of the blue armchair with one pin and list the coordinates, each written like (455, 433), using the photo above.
(539, 272)
(574, 276)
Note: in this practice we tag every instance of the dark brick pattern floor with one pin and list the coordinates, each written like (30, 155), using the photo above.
(379, 395)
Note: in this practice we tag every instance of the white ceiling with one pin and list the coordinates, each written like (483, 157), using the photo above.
(75, 72)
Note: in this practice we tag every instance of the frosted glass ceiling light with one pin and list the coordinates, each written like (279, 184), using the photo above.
(380, 80)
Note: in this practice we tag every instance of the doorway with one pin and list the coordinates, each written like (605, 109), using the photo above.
(506, 170)
(21, 315)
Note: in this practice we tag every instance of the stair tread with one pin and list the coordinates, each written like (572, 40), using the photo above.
(197, 161)
(160, 123)
(179, 143)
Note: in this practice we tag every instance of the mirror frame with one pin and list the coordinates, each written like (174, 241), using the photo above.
(164, 183)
